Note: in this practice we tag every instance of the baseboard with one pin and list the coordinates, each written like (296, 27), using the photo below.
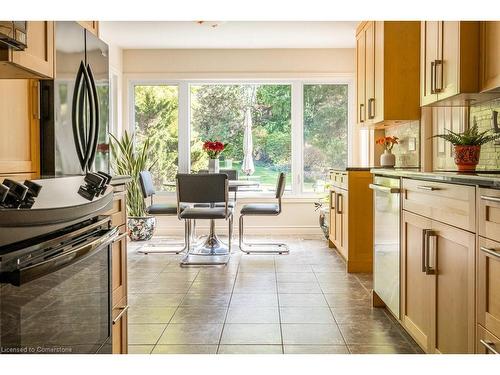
(250, 230)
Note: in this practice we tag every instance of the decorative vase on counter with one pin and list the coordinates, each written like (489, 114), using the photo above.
(467, 157)
(387, 159)
(141, 228)
(213, 166)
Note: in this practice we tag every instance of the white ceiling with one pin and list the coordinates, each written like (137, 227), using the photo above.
(229, 34)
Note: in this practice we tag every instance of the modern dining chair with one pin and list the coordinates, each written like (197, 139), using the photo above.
(159, 209)
(207, 189)
(263, 209)
(232, 174)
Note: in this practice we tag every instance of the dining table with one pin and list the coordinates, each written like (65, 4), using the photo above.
(212, 245)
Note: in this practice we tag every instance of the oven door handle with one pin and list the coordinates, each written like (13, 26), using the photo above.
(32, 272)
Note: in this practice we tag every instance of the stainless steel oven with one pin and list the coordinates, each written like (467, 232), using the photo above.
(386, 257)
(55, 265)
(55, 294)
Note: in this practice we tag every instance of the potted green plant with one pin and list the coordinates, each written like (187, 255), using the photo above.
(467, 146)
(128, 160)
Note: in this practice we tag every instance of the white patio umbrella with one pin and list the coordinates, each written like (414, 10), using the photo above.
(247, 165)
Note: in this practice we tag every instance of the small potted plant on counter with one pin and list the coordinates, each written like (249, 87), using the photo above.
(387, 159)
(128, 159)
(467, 146)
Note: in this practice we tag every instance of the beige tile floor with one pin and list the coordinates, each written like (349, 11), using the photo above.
(303, 302)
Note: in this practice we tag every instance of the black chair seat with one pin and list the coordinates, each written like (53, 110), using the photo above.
(230, 204)
(204, 213)
(164, 208)
(260, 209)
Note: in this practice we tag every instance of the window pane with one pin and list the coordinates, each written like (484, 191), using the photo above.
(218, 113)
(156, 117)
(325, 133)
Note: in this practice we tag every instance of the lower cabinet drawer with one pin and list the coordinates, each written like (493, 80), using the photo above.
(119, 266)
(489, 213)
(487, 343)
(488, 285)
(120, 327)
(449, 203)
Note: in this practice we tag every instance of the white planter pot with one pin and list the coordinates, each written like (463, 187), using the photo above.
(387, 159)
(213, 166)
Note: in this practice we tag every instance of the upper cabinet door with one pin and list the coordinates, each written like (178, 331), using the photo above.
(429, 41)
(490, 56)
(450, 63)
(447, 64)
(361, 77)
(370, 70)
(37, 60)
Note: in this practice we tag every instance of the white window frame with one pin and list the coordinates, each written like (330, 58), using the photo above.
(297, 109)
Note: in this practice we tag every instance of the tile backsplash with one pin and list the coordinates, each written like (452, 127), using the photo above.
(408, 150)
(454, 119)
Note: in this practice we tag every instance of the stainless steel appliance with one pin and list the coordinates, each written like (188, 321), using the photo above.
(75, 105)
(55, 267)
(386, 267)
(13, 34)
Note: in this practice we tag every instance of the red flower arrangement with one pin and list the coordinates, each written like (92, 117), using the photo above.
(388, 142)
(213, 148)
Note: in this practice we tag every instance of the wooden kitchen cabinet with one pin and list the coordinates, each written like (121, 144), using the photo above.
(37, 60)
(486, 342)
(118, 214)
(449, 67)
(92, 26)
(488, 285)
(489, 62)
(387, 72)
(361, 76)
(19, 123)
(351, 205)
(120, 327)
(438, 266)
(417, 289)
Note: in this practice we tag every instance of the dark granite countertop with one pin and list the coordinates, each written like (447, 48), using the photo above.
(483, 179)
(347, 169)
(120, 180)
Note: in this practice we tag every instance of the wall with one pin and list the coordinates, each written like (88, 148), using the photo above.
(298, 215)
(243, 63)
(455, 118)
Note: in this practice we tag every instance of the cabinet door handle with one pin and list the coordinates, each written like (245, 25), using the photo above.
(491, 199)
(441, 80)
(424, 250)
(429, 188)
(433, 76)
(119, 316)
(489, 345)
(371, 108)
(428, 269)
(361, 117)
(490, 251)
(338, 203)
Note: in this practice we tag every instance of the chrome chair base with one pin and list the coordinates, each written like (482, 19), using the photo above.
(281, 248)
(164, 248)
(211, 252)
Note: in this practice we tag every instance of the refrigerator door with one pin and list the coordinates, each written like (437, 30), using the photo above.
(59, 153)
(386, 242)
(98, 67)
